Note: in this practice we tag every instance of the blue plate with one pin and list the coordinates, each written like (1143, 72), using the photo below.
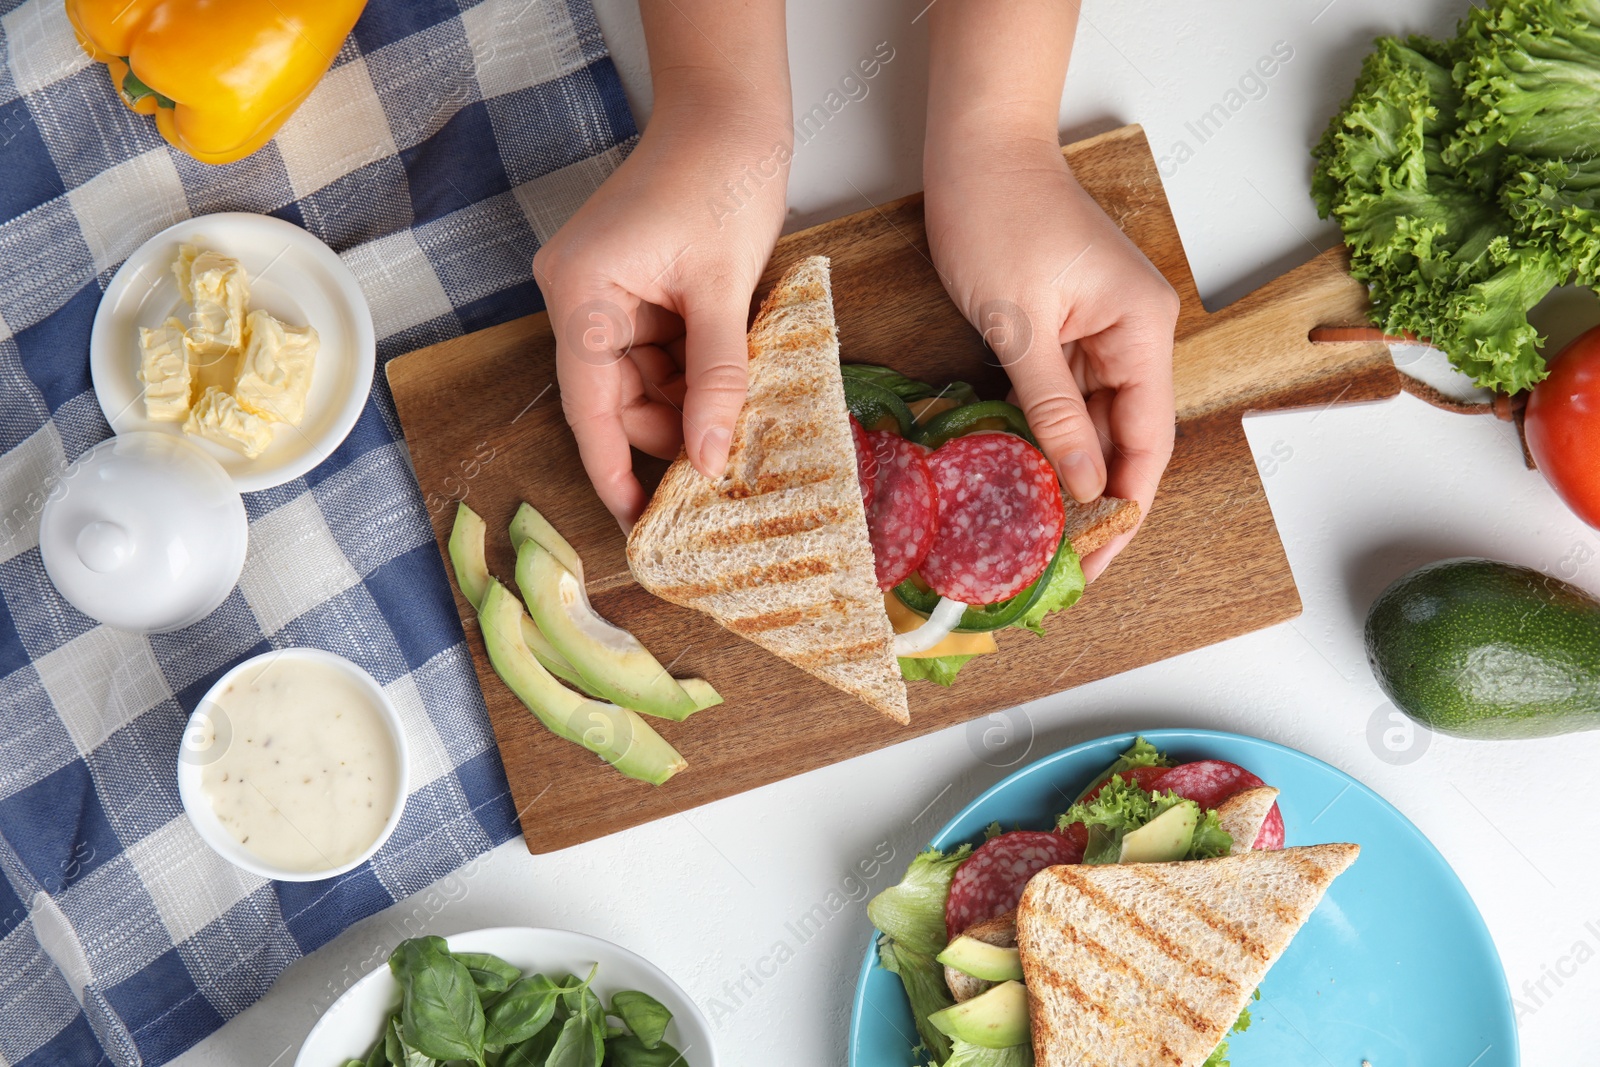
(1394, 967)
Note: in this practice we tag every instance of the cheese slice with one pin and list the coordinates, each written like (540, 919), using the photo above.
(275, 368)
(904, 620)
(164, 370)
(217, 416)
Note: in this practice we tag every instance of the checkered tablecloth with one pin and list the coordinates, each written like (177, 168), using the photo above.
(449, 140)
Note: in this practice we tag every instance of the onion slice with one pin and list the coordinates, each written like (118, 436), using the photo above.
(946, 614)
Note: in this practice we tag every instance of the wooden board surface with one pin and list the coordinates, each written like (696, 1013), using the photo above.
(482, 418)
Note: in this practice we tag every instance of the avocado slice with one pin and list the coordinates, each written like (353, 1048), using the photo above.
(616, 735)
(466, 554)
(1483, 649)
(1164, 838)
(701, 692)
(617, 666)
(982, 960)
(997, 1018)
(528, 525)
(472, 575)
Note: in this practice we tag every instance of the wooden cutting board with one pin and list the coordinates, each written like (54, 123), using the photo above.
(482, 417)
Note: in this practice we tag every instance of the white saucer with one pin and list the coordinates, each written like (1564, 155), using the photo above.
(293, 276)
(348, 1028)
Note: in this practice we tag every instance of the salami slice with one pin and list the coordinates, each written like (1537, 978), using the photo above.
(1210, 782)
(1207, 782)
(990, 883)
(1000, 517)
(866, 464)
(905, 507)
(1271, 836)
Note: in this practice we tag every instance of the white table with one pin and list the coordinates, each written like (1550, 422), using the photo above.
(1360, 493)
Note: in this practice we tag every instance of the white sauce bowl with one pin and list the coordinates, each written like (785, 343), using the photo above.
(198, 750)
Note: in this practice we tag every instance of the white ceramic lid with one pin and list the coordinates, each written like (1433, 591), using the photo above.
(145, 533)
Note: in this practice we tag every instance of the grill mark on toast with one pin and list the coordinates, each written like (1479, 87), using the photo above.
(1077, 994)
(1168, 947)
(834, 654)
(789, 570)
(776, 482)
(1115, 964)
(768, 529)
(777, 620)
(1222, 927)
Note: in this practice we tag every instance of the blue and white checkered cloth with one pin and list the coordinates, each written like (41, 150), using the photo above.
(448, 141)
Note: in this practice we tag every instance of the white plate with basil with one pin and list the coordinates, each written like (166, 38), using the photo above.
(512, 997)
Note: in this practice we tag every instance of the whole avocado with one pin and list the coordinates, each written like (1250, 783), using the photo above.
(1483, 649)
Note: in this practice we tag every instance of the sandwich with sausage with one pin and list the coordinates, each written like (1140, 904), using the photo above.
(1135, 931)
(868, 528)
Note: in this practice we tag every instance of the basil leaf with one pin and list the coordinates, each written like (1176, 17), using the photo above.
(414, 953)
(629, 1051)
(490, 973)
(534, 1052)
(439, 1010)
(521, 1011)
(402, 1054)
(576, 1045)
(393, 1047)
(644, 1014)
(378, 1057)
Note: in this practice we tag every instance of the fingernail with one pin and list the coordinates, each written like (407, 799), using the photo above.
(714, 450)
(1077, 473)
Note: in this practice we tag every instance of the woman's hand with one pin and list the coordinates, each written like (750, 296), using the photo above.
(1080, 319)
(648, 286)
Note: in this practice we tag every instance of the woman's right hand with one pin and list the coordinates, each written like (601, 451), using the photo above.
(648, 288)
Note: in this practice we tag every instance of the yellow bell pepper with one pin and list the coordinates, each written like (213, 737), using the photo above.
(220, 76)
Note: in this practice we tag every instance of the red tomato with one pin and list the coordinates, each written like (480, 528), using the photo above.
(1563, 426)
(1143, 777)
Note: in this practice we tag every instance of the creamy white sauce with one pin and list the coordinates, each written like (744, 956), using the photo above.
(308, 771)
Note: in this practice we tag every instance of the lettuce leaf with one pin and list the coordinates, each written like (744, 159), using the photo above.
(1210, 839)
(1116, 811)
(1219, 1055)
(1066, 586)
(923, 979)
(966, 1055)
(1463, 176)
(912, 912)
(1140, 754)
(940, 669)
(910, 916)
(1123, 807)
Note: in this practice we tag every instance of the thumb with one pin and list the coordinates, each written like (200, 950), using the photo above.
(716, 358)
(1056, 412)
(1066, 434)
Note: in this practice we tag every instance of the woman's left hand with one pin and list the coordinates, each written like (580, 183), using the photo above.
(1080, 319)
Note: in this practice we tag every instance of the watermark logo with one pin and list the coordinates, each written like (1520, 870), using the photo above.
(206, 736)
(1006, 330)
(1538, 992)
(853, 889)
(1251, 86)
(1395, 737)
(599, 333)
(1001, 738)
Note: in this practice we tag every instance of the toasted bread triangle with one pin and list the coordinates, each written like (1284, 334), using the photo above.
(1151, 963)
(776, 549)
